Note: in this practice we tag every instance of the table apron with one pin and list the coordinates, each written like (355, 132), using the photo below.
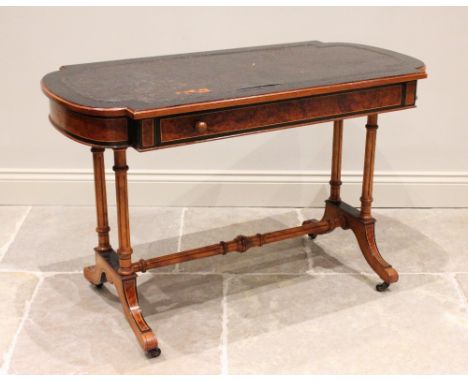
(159, 132)
(154, 133)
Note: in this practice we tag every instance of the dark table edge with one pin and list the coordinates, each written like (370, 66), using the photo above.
(212, 105)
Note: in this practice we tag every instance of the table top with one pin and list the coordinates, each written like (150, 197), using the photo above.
(164, 85)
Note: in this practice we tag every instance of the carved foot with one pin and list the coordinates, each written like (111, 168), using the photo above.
(349, 217)
(95, 275)
(128, 294)
(365, 235)
(106, 270)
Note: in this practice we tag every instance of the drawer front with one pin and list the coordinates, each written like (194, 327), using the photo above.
(207, 125)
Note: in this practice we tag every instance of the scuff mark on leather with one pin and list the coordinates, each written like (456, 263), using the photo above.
(194, 91)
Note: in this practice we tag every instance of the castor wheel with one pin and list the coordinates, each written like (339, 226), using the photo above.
(382, 287)
(99, 286)
(312, 236)
(153, 353)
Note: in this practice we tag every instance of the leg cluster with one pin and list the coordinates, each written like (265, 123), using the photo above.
(117, 267)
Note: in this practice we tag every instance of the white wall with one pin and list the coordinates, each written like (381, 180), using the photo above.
(422, 154)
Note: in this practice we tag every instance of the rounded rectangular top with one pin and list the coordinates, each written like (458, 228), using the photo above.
(148, 87)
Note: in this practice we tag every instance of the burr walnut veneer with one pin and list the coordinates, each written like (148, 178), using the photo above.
(160, 102)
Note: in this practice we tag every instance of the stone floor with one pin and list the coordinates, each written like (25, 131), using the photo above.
(298, 306)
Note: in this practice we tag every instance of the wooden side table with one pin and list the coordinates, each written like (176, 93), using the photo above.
(158, 102)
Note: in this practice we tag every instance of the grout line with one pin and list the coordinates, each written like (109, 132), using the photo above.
(18, 226)
(224, 328)
(307, 249)
(300, 217)
(461, 295)
(181, 231)
(451, 276)
(39, 273)
(7, 357)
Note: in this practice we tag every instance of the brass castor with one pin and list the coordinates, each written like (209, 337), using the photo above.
(382, 287)
(153, 353)
(312, 236)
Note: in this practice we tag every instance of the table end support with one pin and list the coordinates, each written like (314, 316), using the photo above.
(113, 267)
(360, 221)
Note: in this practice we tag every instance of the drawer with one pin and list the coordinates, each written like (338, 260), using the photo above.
(277, 113)
(266, 116)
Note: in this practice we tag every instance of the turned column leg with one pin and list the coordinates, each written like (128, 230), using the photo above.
(125, 250)
(126, 284)
(93, 273)
(335, 180)
(364, 227)
(369, 159)
(102, 228)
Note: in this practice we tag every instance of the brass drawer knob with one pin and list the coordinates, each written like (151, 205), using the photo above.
(201, 127)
